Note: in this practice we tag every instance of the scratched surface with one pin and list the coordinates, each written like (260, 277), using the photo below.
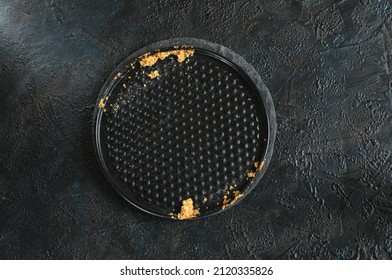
(328, 191)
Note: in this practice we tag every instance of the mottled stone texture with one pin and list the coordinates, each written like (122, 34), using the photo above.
(327, 193)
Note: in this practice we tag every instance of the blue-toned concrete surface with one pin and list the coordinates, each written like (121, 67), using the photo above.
(327, 193)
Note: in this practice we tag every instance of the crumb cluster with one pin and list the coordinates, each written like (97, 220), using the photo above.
(258, 166)
(227, 201)
(187, 210)
(150, 59)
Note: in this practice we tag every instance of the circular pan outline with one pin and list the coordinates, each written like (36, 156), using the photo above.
(221, 52)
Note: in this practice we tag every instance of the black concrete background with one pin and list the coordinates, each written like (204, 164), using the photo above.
(327, 193)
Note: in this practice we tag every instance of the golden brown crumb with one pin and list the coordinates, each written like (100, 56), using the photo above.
(237, 195)
(101, 103)
(187, 210)
(227, 202)
(119, 74)
(183, 54)
(232, 187)
(124, 86)
(251, 174)
(153, 74)
(260, 166)
(256, 164)
(150, 59)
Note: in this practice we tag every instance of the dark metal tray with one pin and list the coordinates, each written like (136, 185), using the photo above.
(184, 128)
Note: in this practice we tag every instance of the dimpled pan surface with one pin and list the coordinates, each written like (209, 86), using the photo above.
(184, 128)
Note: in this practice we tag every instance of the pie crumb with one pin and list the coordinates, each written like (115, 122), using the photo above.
(187, 210)
(101, 103)
(119, 74)
(227, 202)
(237, 195)
(150, 59)
(251, 174)
(260, 166)
(153, 74)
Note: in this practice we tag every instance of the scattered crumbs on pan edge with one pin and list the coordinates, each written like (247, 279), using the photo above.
(227, 202)
(149, 59)
(101, 103)
(119, 75)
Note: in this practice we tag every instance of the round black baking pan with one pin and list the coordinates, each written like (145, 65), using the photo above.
(184, 128)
